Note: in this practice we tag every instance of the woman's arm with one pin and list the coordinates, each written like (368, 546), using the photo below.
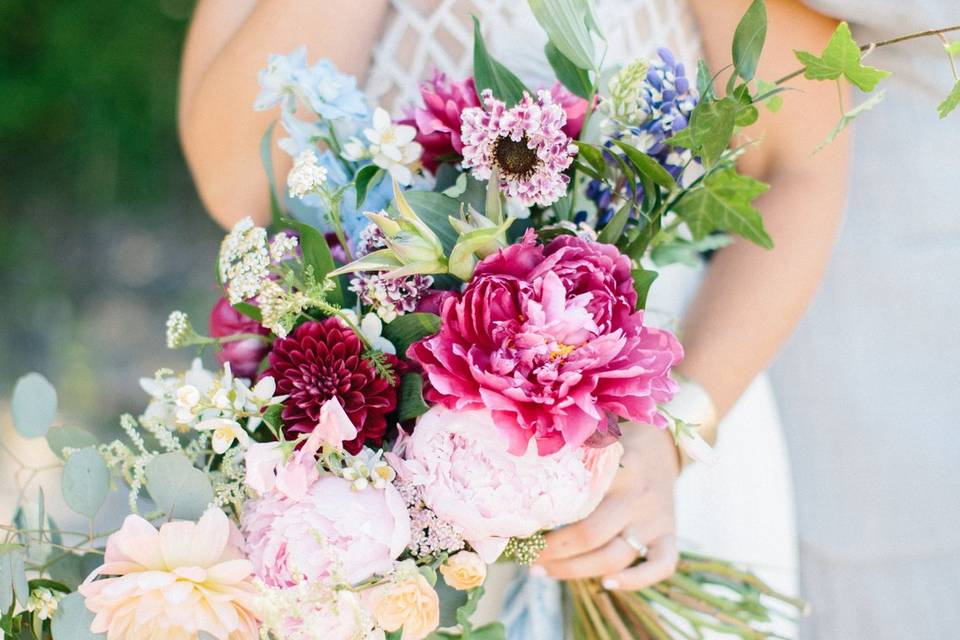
(747, 305)
(228, 43)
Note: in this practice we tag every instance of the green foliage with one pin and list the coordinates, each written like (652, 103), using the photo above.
(711, 127)
(614, 228)
(748, 40)
(435, 209)
(34, 405)
(316, 254)
(842, 57)
(266, 159)
(411, 404)
(490, 74)
(642, 281)
(410, 327)
(769, 94)
(68, 436)
(70, 569)
(492, 631)
(366, 177)
(570, 75)
(647, 166)
(178, 488)
(681, 251)
(724, 202)
(85, 482)
(13, 578)
(72, 620)
(951, 102)
(570, 26)
(850, 116)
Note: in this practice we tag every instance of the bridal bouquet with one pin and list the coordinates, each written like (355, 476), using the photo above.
(426, 362)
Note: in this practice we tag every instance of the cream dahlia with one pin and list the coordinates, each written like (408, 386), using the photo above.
(526, 145)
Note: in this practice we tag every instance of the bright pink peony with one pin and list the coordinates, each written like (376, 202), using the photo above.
(525, 144)
(323, 360)
(470, 480)
(547, 338)
(438, 120)
(244, 356)
(573, 105)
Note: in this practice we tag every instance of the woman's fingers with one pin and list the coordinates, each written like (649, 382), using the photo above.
(599, 528)
(613, 556)
(660, 564)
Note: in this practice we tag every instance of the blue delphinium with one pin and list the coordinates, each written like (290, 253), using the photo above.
(660, 104)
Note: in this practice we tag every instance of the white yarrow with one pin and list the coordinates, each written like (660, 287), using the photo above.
(307, 175)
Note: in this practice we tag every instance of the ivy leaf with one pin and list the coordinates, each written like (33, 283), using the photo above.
(842, 57)
(724, 202)
(569, 74)
(952, 101)
(748, 40)
(711, 127)
(850, 116)
(490, 74)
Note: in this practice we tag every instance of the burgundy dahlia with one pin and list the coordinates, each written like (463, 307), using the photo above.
(245, 355)
(322, 360)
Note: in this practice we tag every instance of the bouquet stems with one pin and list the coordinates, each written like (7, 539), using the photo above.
(705, 594)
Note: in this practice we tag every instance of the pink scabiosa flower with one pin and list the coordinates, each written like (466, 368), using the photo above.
(548, 339)
(438, 120)
(174, 583)
(470, 479)
(323, 360)
(525, 144)
(244, 355)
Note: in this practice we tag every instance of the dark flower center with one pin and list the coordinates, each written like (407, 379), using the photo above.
(514, 158)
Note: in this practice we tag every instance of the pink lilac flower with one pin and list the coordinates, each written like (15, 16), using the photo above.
(438, 120)
(549, 340)
(468, 478)
(526, 145)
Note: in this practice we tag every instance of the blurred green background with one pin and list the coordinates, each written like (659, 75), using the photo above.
(102, 232)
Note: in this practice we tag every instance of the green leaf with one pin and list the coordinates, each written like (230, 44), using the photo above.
(179, 489)
(769, 94)
(574, 78)
(642, 280)
(266, 158)
(450, 600)
(34, 405)
(435, 209)
(411, 403)
(249, 310)
(850, 116)
(842, 57)
(593, 155)
(748, 40)
(705, 81)
(647, 166)
(490, 631)
(72, 620)
(13, 577)
(85, 482)
(685, 252)
(569, 25)
(711, 127)
(69, 436)
(71, 569)
(952, 101)
(366, 178)
(614, 229)
(409, 328)
(273, 417)
(724, 202)
(490, 74)
(316, 253)
(646, 231)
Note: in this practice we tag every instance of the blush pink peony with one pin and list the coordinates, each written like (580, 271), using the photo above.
(548, 339)
(174, 583)
(472, 481)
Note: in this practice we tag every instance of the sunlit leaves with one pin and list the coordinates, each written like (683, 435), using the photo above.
(724, 202)
(748, 40)
(842, 57)
(952, 101)
(711, 127)
(850, 116)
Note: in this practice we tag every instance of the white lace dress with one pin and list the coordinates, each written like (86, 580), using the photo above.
(742, 508)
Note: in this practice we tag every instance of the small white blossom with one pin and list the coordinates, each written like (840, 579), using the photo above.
(282, 247)
(355, 150)
(624, 103)
(43, 602)
(225, 432)
(179, 330)
(392, 146)
(366, 468)
(307, 175)
(244, 261)
(371, 327)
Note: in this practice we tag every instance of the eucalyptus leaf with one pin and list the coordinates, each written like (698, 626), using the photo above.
(34, 405)
(13, 577)
(748, 40)
(570, 25)
(178, 488)
(72, 620)
(85, 482)
(842, 57)
(409, 328)
(490, 74)
(71, 569)
(450, 600)
(574, 78)
(69, 437)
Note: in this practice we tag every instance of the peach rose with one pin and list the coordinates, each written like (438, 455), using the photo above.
(407, 601)
(464, 571)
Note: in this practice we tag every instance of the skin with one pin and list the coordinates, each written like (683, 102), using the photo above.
(749, 301)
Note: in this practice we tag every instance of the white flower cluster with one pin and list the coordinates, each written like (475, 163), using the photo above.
(179, 330)
(307, 175)
(625, 88)
(367, 468)
(43, 602)
(313, 610)
(244, 261)
(391, 147)
(283, 246)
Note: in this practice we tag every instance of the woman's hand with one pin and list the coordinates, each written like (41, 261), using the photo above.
(637, 510)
